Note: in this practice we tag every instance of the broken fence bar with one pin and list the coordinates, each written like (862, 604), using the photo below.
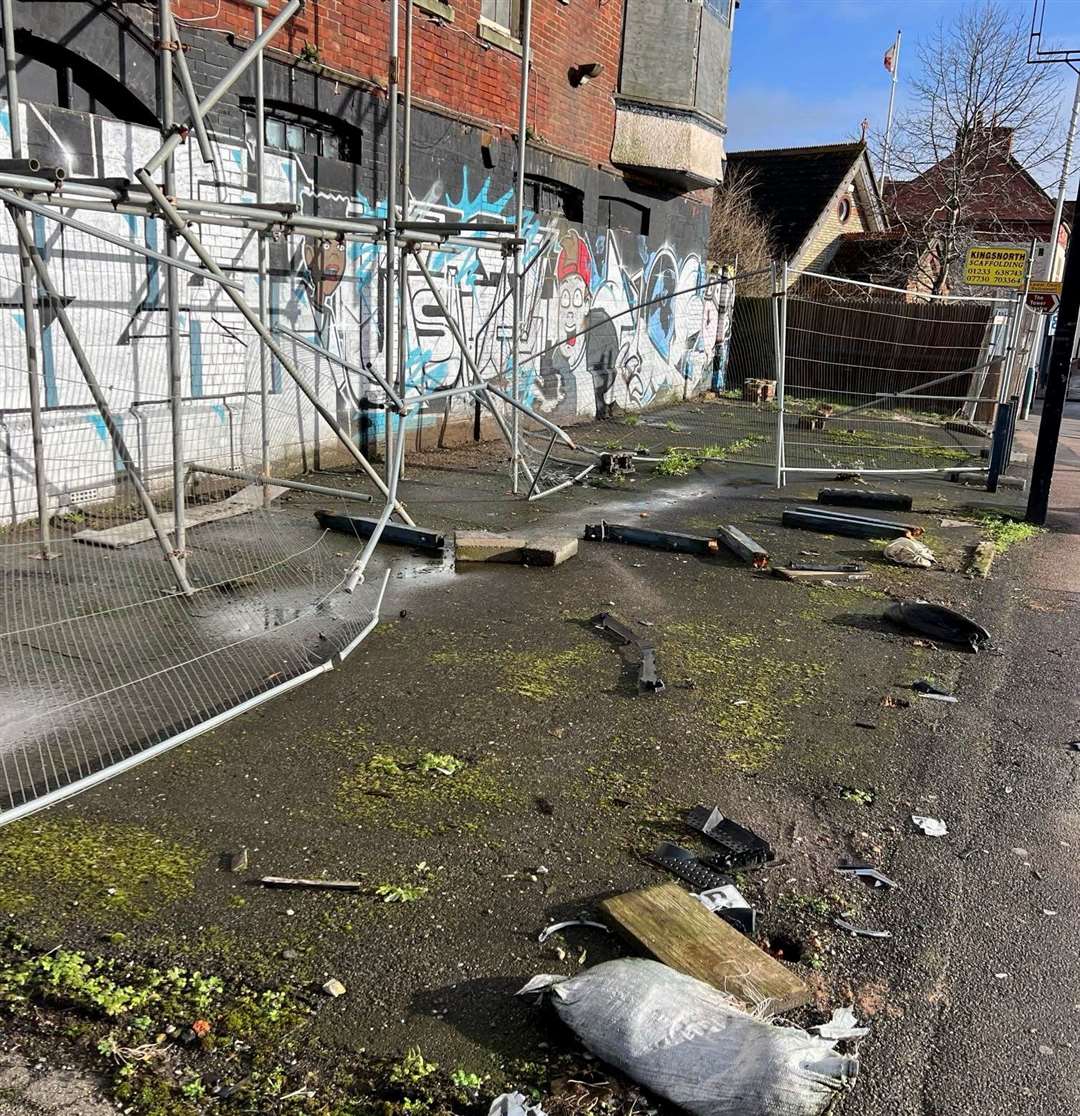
(835, 525)
(648, 680)
(658, 540)
(265, 479)
(854, 498)
(810, 509)
(744, 547)
(395, 533)
(312, 885)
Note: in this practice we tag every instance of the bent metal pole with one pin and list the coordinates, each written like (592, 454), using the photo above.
(260, 327)
(102, 404)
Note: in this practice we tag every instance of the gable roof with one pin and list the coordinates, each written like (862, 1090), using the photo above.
(791, 186)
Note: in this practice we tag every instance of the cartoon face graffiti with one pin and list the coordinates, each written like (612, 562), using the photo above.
(572, 271)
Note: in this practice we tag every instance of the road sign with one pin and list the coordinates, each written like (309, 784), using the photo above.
(995, 267)
(1043, 301)
(1043, 286)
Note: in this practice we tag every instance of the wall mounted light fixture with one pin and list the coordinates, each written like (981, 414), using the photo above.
(583, 74)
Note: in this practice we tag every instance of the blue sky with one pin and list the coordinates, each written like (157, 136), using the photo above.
(808, 71)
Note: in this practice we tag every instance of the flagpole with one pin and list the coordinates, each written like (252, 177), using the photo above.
(892, 100)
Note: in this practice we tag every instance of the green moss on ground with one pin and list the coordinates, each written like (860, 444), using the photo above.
(1004, 531)
(743, 693)
(534, 675)
(106, 868)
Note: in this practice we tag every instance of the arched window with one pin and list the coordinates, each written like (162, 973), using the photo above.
(53, 75)
(305, 131)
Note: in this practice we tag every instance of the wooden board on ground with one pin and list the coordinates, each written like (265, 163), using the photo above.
(676, 929)
(128, 534)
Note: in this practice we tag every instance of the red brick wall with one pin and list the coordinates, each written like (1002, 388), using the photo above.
(455, 69)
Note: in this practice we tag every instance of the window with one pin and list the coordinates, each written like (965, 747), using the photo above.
(303, 131)
(618, 213)
(550, 198)
(843, 210)
(52, 75)
(504, 13)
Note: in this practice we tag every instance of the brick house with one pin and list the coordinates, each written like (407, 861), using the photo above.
(625, 142)
(812, 198)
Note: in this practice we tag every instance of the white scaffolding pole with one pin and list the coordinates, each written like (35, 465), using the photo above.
(519, 228)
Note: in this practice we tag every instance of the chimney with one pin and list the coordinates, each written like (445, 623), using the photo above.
(994, 139)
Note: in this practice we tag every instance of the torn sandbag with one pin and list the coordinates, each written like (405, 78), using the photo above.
(910, 552)
(938, 622)
(687, 1042)
(514, 1104)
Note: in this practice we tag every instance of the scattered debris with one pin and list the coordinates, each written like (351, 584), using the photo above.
(690, 1044)
(485, 546)
(658, 540)
(742, 546)
(842, 1027)
(859, 931)
(730, 903)
(742, 847)
(397, 534)
(938, 622)
(334, 988)
(675, 928)
(555, 927)
(858, 498)
(910, 552)
(890, 701)
(808, 571)
(648, 680)
(982, 559)
(514, 1104)
(235, 861)
(313, 885)
(867, 874)
(685, 865)
(958, 523)
(1073, 745)
(927, 689)
(852, 526)
(617, 462)
(932, 827)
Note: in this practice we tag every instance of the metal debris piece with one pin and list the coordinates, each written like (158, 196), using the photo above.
(616, 462)
(810, 571)
(514, 1104)
(932, 827)
(555, 927)
(853, 526)
(742, 546)
(842, 1026)
(682, 863)
(867, 874)
(938, 622)
(925, 686)
(396, 533)
(658, 540)
(858, 498)
(742, 847)
(648, 680)
(235, 861)
(313, 885)
(860, 931)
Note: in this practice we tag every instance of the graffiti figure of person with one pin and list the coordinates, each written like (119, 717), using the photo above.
(572, 271)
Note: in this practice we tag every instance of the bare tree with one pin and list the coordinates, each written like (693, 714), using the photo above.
(981, 120)
(739, 236)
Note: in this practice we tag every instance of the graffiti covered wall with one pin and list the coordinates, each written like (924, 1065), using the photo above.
(615, 318)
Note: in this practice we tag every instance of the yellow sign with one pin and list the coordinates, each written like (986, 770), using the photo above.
(995, 267)
(1041, 286)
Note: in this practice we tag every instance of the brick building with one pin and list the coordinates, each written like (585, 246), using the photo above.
(625, 141)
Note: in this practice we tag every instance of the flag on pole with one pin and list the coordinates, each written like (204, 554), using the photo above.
(890, 58)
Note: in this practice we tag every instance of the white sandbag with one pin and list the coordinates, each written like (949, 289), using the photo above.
(910, 552)
(686, 1041)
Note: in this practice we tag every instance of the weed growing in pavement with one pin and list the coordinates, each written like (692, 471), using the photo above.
(1005, 532)
(676, 463)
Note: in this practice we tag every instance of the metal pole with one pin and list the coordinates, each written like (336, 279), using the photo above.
(889, 118)
(1057, 385)
(406, 145)
(403, 325)
(188, 86)
(1005, 387)
(30, 318)
(255, 48)
(1063, 181)
(119, 444)
(266, 480)
(519, 225)
(390, 285)
(172, 292)
(263, 330)
(261, 248)
(779, 327)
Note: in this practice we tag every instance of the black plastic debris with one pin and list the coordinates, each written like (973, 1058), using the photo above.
(938, 623)
(396, 533)
(685, 865)
(648, 680)
(859, 931)
(854, 497)
(741, 847)
(867, 874)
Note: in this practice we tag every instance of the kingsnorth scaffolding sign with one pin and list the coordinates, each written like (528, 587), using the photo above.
(995, 267)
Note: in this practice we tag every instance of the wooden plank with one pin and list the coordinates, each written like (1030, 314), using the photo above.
(676, 929)
(789, 574)
(128, 534)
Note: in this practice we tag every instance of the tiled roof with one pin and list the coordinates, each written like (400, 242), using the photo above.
(791, 186)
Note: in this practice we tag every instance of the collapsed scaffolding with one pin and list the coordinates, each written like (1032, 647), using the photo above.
(92, 730)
